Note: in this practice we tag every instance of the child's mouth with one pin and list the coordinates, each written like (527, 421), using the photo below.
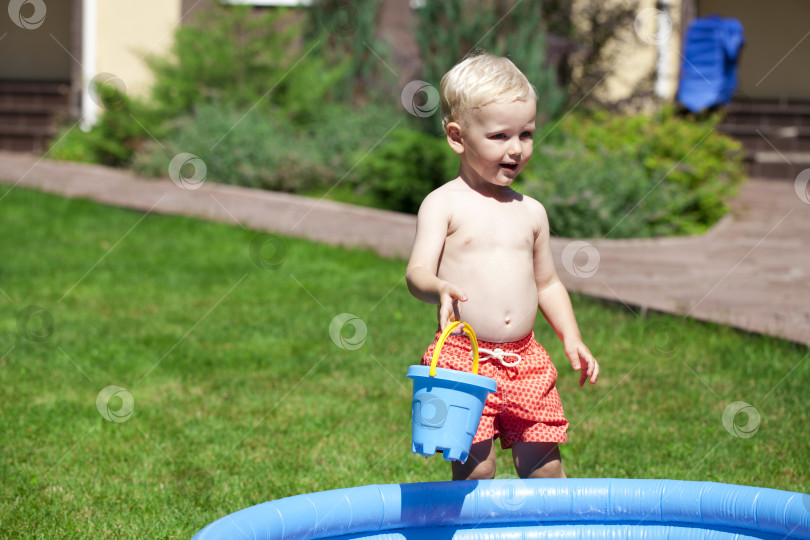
(510, 166)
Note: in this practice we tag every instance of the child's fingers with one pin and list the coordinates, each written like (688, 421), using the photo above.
(449, 310)
(592, 371)
(590, 374)
(457, 294)
(445, 317)
(448, 314)
(587, 375)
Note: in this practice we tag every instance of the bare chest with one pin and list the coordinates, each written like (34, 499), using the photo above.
(508, 227)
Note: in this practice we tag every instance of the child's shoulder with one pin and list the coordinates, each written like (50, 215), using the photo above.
(532, 203)
(535, 209)
(451, 187)
(442, 196)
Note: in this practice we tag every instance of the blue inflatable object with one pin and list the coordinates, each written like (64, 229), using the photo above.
(526, 509)
(446, 410)
(709, 68)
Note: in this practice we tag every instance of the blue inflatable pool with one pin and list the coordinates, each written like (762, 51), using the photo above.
(526, 509)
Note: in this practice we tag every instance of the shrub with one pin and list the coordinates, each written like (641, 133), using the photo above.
(349, 31)
(266, 149)
(257, 150)
(232, 55)
(640, 175)
(123, 127)
(405, 168)
(589, 193)
(229, 56)
(449, 29)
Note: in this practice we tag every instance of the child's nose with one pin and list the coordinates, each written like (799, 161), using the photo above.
(515, 148)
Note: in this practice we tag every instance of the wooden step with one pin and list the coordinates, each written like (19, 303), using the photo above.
(775, 135)
(30, 112)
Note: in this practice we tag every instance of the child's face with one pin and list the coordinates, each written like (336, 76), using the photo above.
(498, 141)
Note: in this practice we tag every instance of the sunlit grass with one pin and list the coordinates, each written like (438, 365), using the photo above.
(241, 395)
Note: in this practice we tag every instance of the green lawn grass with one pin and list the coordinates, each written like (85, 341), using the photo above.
(240, 395)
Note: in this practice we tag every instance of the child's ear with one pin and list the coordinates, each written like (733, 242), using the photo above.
(453, 131)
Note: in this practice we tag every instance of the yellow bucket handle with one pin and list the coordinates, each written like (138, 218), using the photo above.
(449, 328)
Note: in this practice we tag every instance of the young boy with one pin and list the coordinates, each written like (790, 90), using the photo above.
(482, 255)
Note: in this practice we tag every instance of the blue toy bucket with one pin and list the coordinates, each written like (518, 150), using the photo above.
(447, 404)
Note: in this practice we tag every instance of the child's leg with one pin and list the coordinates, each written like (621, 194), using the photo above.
(537, 460)
(480, 464)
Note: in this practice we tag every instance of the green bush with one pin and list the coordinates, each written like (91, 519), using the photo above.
(223, 55)
(230, 57)
(267, 150)
(633, 176)
(589, 193)
(405, 168)
(450, 29)
(255, 150)
(349, 32)
(230, 54)
(123, 127)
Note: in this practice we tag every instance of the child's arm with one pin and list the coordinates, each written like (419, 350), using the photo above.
(431, 231)
(555, 304)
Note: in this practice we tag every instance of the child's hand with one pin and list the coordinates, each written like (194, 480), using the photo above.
(449, 297)
(579, 354)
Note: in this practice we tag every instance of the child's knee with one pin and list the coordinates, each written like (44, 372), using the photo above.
(480, 464)
(550, 469)
(537, 460)
(484, 470)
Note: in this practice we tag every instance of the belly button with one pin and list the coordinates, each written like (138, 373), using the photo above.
(507, 320)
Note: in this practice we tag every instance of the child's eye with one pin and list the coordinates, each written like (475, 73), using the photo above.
(527, 134)
(498, 136)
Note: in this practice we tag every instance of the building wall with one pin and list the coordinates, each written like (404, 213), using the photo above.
(41, 52)
(632, 58)
(773, 62)
(128, 31)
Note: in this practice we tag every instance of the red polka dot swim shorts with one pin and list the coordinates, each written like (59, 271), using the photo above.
(526, 407)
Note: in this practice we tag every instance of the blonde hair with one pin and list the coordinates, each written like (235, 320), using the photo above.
(478, 80)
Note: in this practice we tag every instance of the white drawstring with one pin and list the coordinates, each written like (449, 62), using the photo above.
(498, 354)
